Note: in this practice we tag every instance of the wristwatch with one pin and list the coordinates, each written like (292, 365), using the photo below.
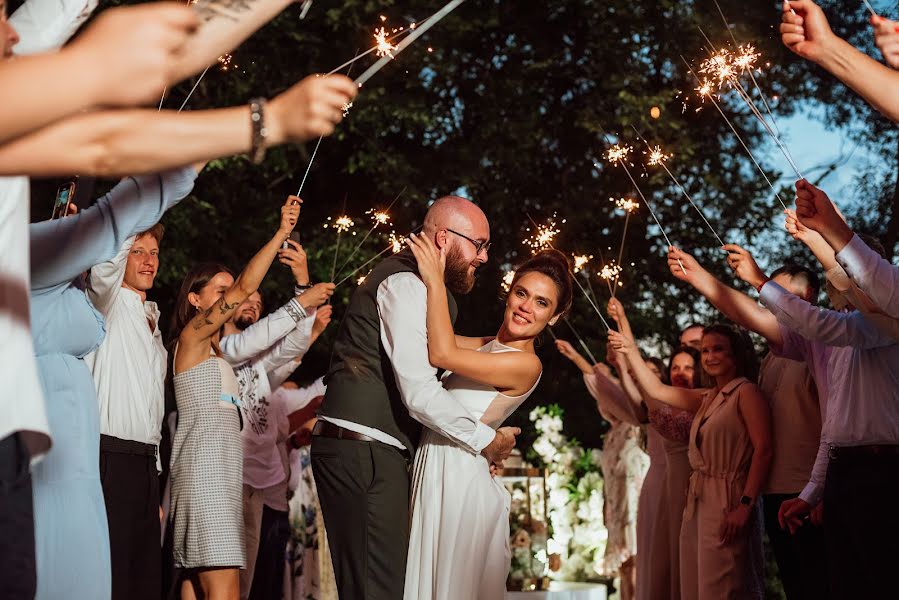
(299, 290)
(746, 501)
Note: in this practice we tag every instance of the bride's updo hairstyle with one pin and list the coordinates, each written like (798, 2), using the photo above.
(555, 265)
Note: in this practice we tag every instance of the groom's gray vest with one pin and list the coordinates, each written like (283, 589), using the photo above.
(361, 386)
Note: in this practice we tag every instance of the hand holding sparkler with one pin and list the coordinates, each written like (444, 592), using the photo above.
(568, 351)
(886, 38)
(816, 211)
(309, 109)
(616, 311)
(683, 266)
(804, 30)
(293, 255)
(744, 266)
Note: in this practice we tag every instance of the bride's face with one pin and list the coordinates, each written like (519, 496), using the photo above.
(531, 304)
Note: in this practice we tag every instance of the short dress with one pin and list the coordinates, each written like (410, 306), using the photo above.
(207, 468)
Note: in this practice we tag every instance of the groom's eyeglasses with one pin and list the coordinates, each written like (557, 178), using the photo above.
(479, 246)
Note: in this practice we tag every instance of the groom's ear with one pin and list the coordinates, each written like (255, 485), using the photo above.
(440, 238)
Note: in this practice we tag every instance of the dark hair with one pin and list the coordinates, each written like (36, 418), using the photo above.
(697, 363)
(804, 274)
(195, 280)
(874, 244)
(660, 365)
(741, 347)
(554, 265)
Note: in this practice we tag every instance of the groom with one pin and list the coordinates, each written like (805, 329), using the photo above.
(381, 390)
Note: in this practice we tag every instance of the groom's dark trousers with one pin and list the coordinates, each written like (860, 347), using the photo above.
(363, 489)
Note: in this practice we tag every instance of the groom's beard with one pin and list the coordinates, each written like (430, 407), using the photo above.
(457, 278)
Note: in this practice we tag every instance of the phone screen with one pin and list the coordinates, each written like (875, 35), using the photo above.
(64, 196)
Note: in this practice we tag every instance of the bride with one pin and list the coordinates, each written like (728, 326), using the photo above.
(459, 530)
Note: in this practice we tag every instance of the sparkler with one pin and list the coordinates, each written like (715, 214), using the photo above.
(433, 20)
(609, 272)
(341, 224)
(506, 282)
(618, 155)
(378, 218)
(543, 235)
(870, 8)
(580, 261)
(739, 139)
(628, 206)
(659, 158)
(382, 44)
(584, 291)
(721, 65)
(580, 340)
(396, 244)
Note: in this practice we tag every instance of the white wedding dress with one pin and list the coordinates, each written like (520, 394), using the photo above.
(459, 530)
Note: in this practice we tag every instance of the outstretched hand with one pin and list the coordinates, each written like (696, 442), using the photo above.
(621, 343)
(744, 266)
(566, 349)
(683, 266)
(886, 37)
(290, 214)
(816, 211)
(431, 261)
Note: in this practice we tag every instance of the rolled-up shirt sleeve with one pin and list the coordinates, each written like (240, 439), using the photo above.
(877, 277)
(106, 279)
(826, 326)
(814, 489)
(263, 334)
(402, 305)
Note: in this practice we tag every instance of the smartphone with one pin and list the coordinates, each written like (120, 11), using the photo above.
(294, 237)
(64, 196)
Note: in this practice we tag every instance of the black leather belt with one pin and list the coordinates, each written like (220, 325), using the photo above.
(116, 445)
(850, 452)
(330, 430)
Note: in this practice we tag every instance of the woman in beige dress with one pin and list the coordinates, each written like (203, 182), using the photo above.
(730, 453)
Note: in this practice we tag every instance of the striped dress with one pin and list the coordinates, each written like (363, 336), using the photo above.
(207, 468)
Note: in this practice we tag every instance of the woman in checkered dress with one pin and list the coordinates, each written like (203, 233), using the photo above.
(207, 453)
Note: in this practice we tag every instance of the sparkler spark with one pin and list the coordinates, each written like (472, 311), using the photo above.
(656, 156)
(580, 261)
(610, 271)
(361, 280)
(341, 224)
(543, 236)
(346, 108)
(626, 204)
(618, 153)
(225, 61)
(396, 242)
(378, 217)
(506, 283)
(746, 59)
(385, 48)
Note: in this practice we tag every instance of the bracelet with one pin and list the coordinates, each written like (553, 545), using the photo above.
(260, 133)
(762, 284)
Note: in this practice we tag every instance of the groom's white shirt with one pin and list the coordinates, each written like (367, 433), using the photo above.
(402, 306)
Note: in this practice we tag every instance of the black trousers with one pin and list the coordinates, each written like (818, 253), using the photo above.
(17, 573)
(800, 557)
(131, 491)
(862, 526)
(268, 577)
(364, 493)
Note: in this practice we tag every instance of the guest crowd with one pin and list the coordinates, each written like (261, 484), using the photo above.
(137, 463)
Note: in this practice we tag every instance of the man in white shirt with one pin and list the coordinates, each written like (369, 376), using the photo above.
(381, 390)
(129, 371)
(856, 472)
(264, 352)
(43, 25)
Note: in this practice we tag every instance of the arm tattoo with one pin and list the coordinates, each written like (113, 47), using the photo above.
(224, 307)
(202, 319)
(232, 10)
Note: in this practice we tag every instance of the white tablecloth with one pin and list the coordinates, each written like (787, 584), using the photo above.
(561, 590)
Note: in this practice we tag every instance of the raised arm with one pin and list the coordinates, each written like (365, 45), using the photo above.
(804, 30)
(886, 38)
(136, 46)
(108, 143)
(826, 326)
(105, 279)
(568, 351)
(62, 249)
(510, 372)
(686, 399)
(736, 306)
(193, 339)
